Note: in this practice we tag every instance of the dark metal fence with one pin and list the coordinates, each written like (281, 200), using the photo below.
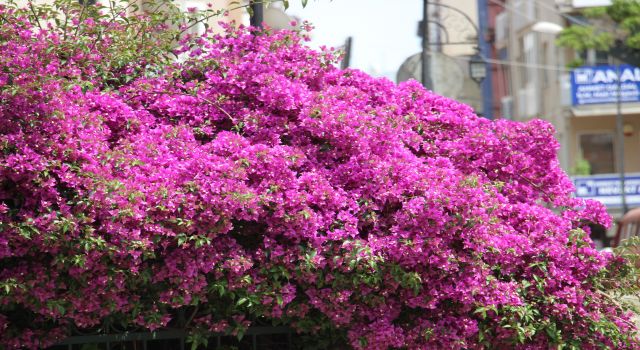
(256, 338)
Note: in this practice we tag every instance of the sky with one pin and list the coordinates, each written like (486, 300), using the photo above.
(384, 32)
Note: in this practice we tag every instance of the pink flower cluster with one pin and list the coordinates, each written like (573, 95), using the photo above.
(255, 181)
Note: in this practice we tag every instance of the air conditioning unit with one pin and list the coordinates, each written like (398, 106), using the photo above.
(532, 105)
(522, 103)
(507, 107)
(528, 104)
(502, 26)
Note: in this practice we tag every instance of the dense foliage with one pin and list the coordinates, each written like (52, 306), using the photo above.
(614, 29)
(255, 182)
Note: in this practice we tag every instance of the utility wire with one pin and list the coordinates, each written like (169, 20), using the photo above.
(517, 63)
(520, 64)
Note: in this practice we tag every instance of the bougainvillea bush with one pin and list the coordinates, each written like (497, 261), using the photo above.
(252, 182)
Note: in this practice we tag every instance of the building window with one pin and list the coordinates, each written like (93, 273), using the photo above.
(507, 107)
(502, 26)
(597, 149)
(528, 59)
(593, 57)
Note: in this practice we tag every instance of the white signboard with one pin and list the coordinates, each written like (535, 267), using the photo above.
(599, 84)
(591, 3)
(606, 188)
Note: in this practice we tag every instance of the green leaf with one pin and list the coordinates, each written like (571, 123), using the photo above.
(241, 333)
(427, 333)
(61, 309)
(482, 311)
(363, 342)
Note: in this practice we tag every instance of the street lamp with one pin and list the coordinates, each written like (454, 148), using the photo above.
(547, 27)
(477, 68)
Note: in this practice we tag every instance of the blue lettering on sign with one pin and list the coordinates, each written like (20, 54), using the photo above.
(599, 84)
(606, 189)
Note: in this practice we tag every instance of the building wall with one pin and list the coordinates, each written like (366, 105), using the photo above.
(539, 84)
(238, 16)
(457, 26)
(453, 39)
(235, 13)
(535, 72)
(607, 124)
(602, 118)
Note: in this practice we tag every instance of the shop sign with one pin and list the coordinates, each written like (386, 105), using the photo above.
(599, 84)
(606, 189)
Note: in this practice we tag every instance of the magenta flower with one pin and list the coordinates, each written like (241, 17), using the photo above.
(256, 181)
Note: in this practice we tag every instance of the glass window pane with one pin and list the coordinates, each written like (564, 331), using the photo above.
(597, 149)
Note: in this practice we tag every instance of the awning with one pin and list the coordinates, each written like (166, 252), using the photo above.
(604, 110)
